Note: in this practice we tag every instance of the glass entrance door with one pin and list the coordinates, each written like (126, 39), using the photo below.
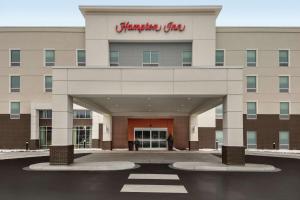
(151, 138)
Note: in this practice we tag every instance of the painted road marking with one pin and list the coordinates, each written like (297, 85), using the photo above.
(153, 188)
(154, 176)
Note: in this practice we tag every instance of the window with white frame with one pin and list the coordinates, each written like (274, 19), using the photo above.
(45, 114)
(251, 58)
(80, 57)
(283, 58)
(15, 83)
(187, 58)
(220, 57)
(284, 110)
(251, 140)
(219, 112)
(219, 139)
(82, 136)
(284, 84)
(82, 114)
(49, 57)
(48, 83)
(45, 136)
(114, 58)
(251, 84)
(151, 58)
(15, 110)
(284, 140)
(15, 57)
(251, 110)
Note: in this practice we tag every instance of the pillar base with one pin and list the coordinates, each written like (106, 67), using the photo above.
(233, 155)
(106, 145)
(96, 143)
(61, 155)
(193, 145)
(34, 144)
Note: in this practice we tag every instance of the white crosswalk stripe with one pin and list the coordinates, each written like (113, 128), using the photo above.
(153, 188)
(154, 176)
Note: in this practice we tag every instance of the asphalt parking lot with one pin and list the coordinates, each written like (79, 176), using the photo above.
(17, 183)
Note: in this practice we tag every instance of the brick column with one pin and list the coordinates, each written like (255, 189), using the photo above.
(107, 132)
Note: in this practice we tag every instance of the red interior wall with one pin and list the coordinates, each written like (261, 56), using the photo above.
(148, 123)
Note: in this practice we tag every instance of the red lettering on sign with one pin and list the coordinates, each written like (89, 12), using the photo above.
(127, 26)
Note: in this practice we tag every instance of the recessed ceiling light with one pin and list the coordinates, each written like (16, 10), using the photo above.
(117, 105)
(149, 98)
(182, 105)
(189, 98)
(107, 98)
(149, 105)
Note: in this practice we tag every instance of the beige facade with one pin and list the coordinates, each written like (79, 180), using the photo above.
(149, 92)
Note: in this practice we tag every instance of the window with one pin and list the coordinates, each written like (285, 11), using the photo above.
(251, 83)
(15, 110)
(251, 110)
(14, 83)
(284, 84)
(151, 58)
(283, 58)
(251, 58)
(48, 83)
(82, 136)
(15, 57)
(187, 58)
(284, 110)
(45, 114)
(82, 114)
(219, 112)
(80, 57)
(45, 136)
(220, 58)
(219, 139)
(251, 140)
(49, 57)
(284, 140)
(114, 58)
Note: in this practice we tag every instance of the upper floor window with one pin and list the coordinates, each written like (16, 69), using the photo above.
(114, 58)
(220, 58)
(251, 140)
(15, 83)
(251, 58)
(284, 84)
(15, 110)
(151, 58)
(251, 83)
(80, 54)
(283, 58)
(82, 114)
(186, 58)
(45, 114)
(49, 57)
(251, 110)
(219, 112)
(15, 57)
(284, 110)
(48, 83)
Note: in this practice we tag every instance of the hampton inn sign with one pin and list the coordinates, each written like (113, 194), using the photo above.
(171, 26)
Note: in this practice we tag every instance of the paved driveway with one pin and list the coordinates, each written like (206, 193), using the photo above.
(19, 184)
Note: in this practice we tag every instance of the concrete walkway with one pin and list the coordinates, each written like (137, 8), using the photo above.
(157, 157)
(87, 166)
(219, 167)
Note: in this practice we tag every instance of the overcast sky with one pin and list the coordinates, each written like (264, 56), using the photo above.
(66, 12)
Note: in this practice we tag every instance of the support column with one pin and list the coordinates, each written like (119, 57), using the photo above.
(34, 129)
(62, 149)
(233, 151)
(107, 132)
(194, 142)
(96, 140)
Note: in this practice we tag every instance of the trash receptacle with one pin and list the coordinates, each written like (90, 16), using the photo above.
(130, 145)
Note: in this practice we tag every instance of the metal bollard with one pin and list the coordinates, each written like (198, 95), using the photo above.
(217, 145)
(27, 146)
(274, 145)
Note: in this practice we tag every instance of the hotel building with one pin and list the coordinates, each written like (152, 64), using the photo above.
(144, 73)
